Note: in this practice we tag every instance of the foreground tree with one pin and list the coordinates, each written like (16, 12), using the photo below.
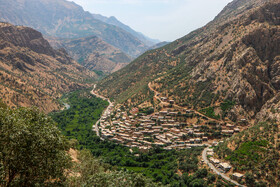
(32, 149)
(91, 172)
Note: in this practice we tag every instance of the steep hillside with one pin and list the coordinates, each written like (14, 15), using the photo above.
(114, 21)
(235, 57)
(254, 152)
(93, 53)
(64, 19)
(33, 73)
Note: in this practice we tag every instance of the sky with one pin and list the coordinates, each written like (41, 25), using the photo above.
(166, 20)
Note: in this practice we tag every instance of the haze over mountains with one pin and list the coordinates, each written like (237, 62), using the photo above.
(67, 20)
(93, 53)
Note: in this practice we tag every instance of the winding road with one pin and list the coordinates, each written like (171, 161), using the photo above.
(215, 170)
(95, 126)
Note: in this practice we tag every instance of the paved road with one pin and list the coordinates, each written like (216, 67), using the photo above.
(205, 159)
(107, 110)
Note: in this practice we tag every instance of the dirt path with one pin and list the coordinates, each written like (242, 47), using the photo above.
(177, 106)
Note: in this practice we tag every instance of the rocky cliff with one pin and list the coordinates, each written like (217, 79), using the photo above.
(32, 73)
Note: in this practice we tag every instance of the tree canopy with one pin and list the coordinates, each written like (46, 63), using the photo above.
(32, 149)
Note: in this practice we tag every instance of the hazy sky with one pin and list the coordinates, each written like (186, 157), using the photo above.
(165, 20)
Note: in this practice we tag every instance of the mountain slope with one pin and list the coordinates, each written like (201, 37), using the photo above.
(64, 19)
(254, 152)
(93, 53)
(114, 21)
(235, 57)
(32, 73)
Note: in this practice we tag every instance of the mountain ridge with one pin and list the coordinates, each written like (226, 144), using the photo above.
(64, 19)
(34, 74)
(218, 72)
(114, 21)
(93, 53)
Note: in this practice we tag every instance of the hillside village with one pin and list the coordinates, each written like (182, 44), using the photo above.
(170, 128)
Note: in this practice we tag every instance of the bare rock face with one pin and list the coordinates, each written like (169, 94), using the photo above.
(275, 73)
(34, 74)
(26, 37)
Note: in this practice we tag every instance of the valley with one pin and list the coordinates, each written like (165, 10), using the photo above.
(110, 106)
(169, 126)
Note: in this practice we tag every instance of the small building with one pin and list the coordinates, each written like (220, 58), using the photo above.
(164, 99)
(210, 153)
(230, 126)
(237, 176)
(198, 141)
(227, 131)
(214, 161)
(176, 131)
(204, 138)
(191, 141)
(189, 111)
(225, 167)
(236, 130)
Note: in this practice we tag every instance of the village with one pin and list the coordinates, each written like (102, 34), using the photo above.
(170, 128)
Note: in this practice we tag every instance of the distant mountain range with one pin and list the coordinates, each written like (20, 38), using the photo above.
(32, 73)
(93, 53)
(67, 20)
(114, 21)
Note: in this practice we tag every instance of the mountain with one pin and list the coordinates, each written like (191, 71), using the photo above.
(114, 21)
(233, 58)
(93, 53)
(64, 19)
(32, 73)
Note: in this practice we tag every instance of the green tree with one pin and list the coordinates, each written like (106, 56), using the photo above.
(249, 178)
(94, 173)
(32, 149)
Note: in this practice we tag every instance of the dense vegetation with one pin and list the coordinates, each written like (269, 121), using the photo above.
(210, 112)
(255, 152)
(32, 149)
(33, 152)
(77, 121)
(94, 173)
(177, 168)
